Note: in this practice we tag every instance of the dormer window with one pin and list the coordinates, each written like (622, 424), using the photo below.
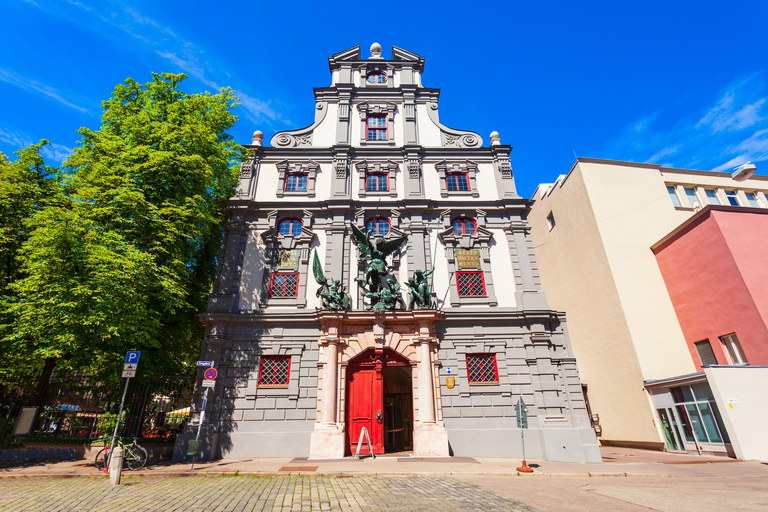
(464, 226)
(377, 77)
(457, 181)
(377, 127)
(381, 226)
(296, 182)
(289, 227)
(377, 181)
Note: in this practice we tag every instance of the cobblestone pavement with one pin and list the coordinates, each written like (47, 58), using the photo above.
(249, 493)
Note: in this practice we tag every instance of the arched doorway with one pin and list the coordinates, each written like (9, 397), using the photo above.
(379, 398)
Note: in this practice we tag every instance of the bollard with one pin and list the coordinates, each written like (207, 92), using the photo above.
(116, 465)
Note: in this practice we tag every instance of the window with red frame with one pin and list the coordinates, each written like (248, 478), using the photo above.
(377, 77)
(381, 226)
(275, 370)
(470, 284)
(377, 182)
(377, 127)
(457, 181)
(284, 284)
(464, 226)
(482, 369)
(296, 182)
(289, 227)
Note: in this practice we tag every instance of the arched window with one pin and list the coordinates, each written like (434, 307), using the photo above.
(289, 227)
(464, 226)
(380, 226)
(377, 77)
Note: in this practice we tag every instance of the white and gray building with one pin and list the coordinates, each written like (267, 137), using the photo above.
(296, 380)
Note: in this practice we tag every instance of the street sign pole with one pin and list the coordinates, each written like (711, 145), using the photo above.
(210, 376)
(117, 424)
(129, 370)
(521, 412)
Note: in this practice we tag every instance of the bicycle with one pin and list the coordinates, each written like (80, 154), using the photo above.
(134, 456)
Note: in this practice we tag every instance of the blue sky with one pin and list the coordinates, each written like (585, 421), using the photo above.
(680, 84)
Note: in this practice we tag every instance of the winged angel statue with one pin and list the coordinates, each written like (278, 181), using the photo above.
(331, 291)
(374, 253)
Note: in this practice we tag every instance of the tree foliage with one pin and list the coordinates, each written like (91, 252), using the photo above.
(127, 258)
(27, 186)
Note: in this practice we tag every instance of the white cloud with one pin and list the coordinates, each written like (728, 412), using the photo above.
(732, 130)
(14, 137)
(19, 139)
(56, 152)
(38, 88)
(107, 16)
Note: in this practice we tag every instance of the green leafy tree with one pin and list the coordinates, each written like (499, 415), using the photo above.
(128, 257)
(27, 186)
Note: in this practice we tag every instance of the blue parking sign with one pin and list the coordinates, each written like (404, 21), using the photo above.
(132, 357)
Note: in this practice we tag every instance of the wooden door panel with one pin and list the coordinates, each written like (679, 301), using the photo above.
(360, 406)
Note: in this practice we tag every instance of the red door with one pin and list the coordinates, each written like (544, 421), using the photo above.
(365, 407)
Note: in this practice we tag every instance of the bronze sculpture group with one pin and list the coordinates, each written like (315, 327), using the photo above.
(383, 292)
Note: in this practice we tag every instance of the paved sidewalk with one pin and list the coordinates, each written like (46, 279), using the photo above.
(620, 462)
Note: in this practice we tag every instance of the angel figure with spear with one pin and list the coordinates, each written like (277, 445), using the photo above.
(374, 253)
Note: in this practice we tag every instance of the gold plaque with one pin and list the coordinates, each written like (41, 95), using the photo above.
(468, 258)
(287, 260)
(450, 382)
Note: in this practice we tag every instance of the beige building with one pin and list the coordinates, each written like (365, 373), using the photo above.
(593, 230)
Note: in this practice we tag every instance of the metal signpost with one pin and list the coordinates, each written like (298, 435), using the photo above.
(129, 370)
(209, 382)
(521, 412)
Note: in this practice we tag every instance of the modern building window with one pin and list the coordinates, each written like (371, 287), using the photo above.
(463, 226)
(690, 193)
(457, 181)
(711, 196)
(377, 77)
(733, 349)
(296, 182)
(733, 199)
(470, 284)
(377, 127)
(753, 201)
(550, 221)
(482, 369)
(698, 414)
(381, 227)
(275, 371)
(377, 182)
(289, 227)
(706, 355)
(673, 195)
(284, 284)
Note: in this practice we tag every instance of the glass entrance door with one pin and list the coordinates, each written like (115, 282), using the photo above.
(672, 435)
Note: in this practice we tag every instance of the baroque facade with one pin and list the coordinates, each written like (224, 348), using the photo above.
(378, 272)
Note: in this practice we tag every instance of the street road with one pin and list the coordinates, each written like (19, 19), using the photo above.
(633, 494)
(385, 493)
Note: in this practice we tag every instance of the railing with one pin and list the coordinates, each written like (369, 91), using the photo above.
(80, 408)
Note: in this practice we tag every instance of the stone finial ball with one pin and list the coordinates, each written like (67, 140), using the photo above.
(257, 136)
(375, 50)
(494, 135)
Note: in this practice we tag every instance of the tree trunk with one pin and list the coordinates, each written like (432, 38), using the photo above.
(42, 388)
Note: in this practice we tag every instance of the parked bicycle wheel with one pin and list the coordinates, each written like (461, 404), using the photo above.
(135, 457)
(100, 460)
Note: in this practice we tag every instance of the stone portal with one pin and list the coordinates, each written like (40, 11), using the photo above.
(359, 350)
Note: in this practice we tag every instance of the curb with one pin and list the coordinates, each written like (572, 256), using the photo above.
(343, 474)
